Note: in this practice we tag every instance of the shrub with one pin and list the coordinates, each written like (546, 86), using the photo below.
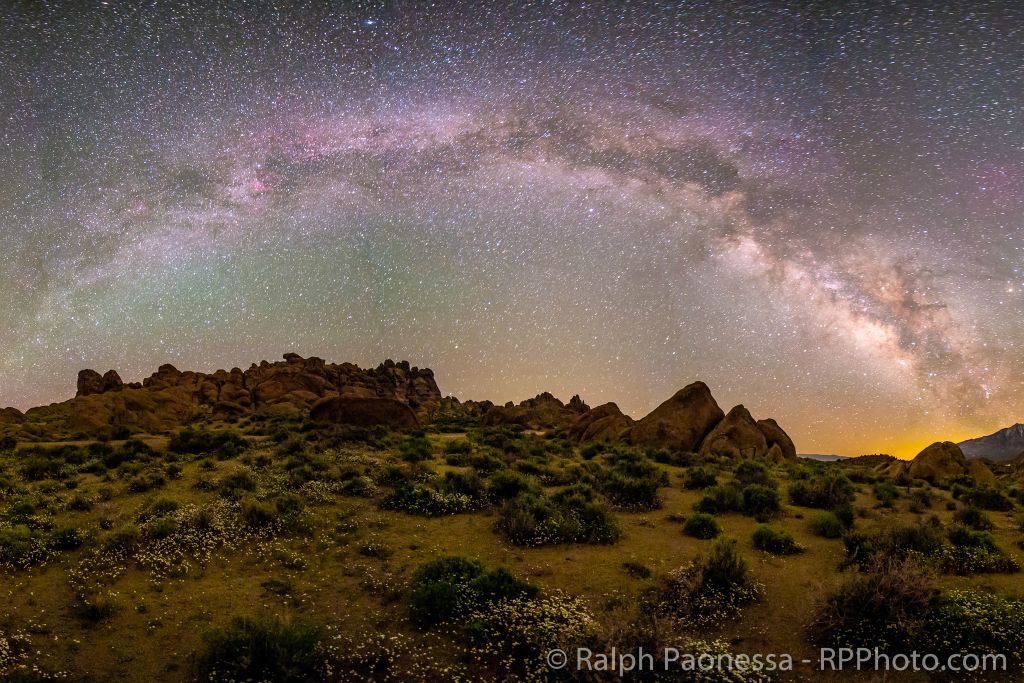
(875, 609)
(126, 538)
(710, 590)
(701, 525)
(263, 649)
(962, 551)
(885, 491)
(987, 498)
(511, 637)
(418, 499)
(827, 490)
(776, 542)
(239, 481)
(760, 501)
(974, 518)
(749, 472)
(450, 587)
(222, 444)
(699, 478)
(416, 449)
(506, 484)
(632, 482)
(827, 525)
(720, 499)
(258, 514)
(573, 515)
(66, 538)
(8, 443)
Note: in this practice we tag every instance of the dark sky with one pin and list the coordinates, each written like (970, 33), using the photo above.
(816, 208)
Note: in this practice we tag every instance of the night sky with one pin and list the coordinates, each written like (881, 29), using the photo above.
(817, 209)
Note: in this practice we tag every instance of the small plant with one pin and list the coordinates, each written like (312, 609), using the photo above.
(710, 590)
(698, 477)
(760, 501)
(827, 525)
(702, 525)
(827, 490)
(262, 649)
(776, 542)
(886, 492)
(974, 518)
(719, 500)
(452, 586)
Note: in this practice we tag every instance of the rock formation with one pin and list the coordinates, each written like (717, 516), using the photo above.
(171, 397)
(680, 423)
(543, 411)
(938, 462)
(605, 423)
(736, 436)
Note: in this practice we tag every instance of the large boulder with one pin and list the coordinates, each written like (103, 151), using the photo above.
(679, 423)
(364, 412)
(939, 461)
(736, 436)
(778, 439)
(91, 382)
(605, 423)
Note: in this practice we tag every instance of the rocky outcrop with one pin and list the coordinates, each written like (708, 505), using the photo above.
(605, 423)
(680, 423)
(170, 397)
(735, 436)
(941, 461)
(364, 412)
(91, 382)
(543, 411)
(778, 440)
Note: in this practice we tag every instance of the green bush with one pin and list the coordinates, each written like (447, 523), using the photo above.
(827, 525)
(701, 525)
(8, 443)
(961, 551)
(420, 499)
(875, 609)
(222, 444)
(776, 542)
(505, 484)
(827, 490)
(263, 649)
(974, 518)
(632, 482)
(719, 500)
(66, 538)
(886, 492)
(698, 477)
(710, 590)
(573, 515)
(416, 449)
(760, 501)
(450, 587)
(749, 472)
(987, 498)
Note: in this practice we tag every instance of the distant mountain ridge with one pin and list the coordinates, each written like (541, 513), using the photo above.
(1005, 444)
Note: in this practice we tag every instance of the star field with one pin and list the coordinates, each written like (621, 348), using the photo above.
(816, 208)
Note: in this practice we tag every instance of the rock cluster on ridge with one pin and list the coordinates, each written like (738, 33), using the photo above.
(690, 421)
(170, 397)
